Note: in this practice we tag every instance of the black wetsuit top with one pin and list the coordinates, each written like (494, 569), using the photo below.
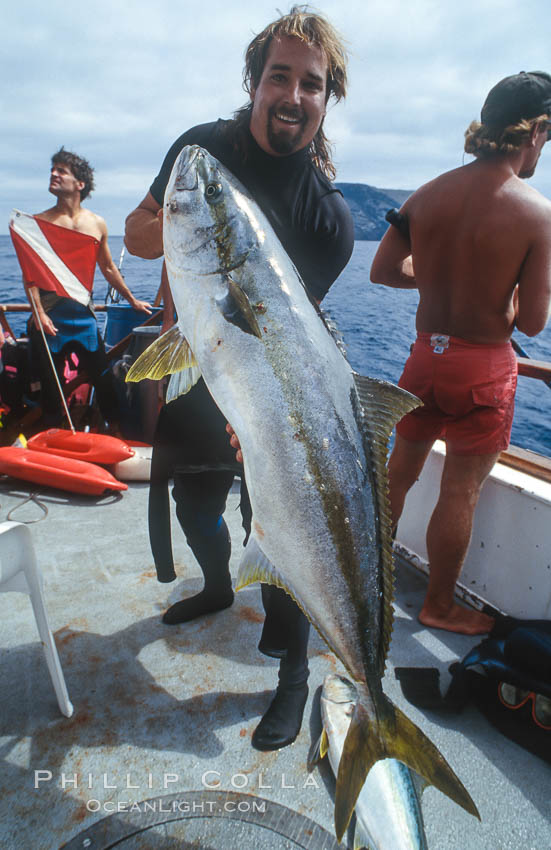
(309, 215)
(313, 222)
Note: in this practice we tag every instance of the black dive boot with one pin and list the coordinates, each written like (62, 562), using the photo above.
(213, 555)
(281, 723)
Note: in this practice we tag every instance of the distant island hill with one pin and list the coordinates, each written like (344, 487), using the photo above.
(369, 206)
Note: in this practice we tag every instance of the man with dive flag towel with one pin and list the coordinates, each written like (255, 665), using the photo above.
(275, 145)
(476, 243)
(58, 250)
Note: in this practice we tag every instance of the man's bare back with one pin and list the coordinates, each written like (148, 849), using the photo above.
(476, 232)
(478, 249)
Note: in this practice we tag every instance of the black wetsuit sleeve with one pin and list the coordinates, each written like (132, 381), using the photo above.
(335, 242)
(158, 186)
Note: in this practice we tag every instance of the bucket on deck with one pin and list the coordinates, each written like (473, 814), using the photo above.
(139, 403)
(121, 321)
(148, 391)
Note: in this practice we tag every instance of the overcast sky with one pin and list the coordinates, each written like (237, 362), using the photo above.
(118, 80)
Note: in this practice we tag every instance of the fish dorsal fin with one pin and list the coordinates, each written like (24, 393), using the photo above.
(168, 354)
(236, 308)
(180, 383)
(382, 405)
(386, 402)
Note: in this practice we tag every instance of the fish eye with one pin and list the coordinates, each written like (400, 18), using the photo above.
(213, 192)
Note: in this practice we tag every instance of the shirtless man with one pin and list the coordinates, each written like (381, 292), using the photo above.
(66, 321)
(476, 243)
(71, 181)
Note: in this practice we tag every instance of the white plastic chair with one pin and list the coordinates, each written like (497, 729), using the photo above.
(19, 572)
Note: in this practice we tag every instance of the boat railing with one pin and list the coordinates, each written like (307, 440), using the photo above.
(113, 352)
(524, 460)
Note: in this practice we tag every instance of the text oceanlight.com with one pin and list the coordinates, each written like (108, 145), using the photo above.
(183, 807)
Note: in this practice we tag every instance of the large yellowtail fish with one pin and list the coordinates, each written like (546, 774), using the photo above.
(388, 810)
(314, 441)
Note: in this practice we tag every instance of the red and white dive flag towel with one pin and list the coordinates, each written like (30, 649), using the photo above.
(54, 258)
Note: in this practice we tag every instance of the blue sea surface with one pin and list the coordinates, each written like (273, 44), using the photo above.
(377, 323)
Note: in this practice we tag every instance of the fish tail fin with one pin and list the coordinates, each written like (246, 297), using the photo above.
(168, 354)
(391, 735)
(362, 749)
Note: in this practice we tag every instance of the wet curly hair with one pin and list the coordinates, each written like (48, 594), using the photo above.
(313, 29)
(80, 167)
(483, 141)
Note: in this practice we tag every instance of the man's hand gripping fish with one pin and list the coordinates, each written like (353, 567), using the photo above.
(314, 440)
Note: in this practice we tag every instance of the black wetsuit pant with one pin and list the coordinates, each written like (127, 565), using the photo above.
(191, 433)
(94, 363)
(200, 502)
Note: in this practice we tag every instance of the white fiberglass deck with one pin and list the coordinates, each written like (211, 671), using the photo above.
(163, 710)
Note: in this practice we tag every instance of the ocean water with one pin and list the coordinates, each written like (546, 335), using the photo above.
(377, 323)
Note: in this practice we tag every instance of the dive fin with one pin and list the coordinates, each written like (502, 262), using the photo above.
(395, 736)
(168, 354)
(180, 383)
(236, 308)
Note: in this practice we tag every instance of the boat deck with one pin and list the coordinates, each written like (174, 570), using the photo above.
(168, 712)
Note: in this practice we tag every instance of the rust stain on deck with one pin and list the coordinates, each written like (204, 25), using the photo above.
(250, 614)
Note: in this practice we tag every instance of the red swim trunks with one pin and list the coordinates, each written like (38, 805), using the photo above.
(467, 390)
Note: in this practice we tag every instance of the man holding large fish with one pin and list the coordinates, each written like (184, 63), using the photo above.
(277, 148)
(313, 434)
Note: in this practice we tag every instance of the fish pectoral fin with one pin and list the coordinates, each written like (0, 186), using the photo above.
(324, 744)
(317, 751)
(236, 309)
(419, 782)
(255, 566)
(393, 736)
(180, 383)
(168, 354)
(361, 837)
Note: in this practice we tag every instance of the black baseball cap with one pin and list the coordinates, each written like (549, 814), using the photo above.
(523, 95)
